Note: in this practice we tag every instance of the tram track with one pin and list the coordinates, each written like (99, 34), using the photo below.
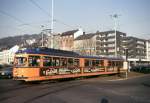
(46, 88)
(40, 90)
(55, 89)
(17, 87)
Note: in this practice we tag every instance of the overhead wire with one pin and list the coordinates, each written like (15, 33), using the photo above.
(15, 18)
(11, 16)
(22, 23)
(38, 6)
(44, 11)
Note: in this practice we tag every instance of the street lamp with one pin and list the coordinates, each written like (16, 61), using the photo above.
(115, 17)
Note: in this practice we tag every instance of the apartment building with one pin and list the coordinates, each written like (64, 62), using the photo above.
(100, 43)
(67, 39)
(85, 44)
(105, 43)
(136, 47)
(148, 50)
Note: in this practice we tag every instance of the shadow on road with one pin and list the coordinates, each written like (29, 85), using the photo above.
(104, 100)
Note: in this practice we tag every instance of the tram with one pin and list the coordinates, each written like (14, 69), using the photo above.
(38, 64)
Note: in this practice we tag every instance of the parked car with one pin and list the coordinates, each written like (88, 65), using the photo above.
(141, 68)
(6, 72)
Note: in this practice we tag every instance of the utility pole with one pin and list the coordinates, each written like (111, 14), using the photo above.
(52, 24)
(52, 18)
(115, 17)
(126, 54)
(42, 35)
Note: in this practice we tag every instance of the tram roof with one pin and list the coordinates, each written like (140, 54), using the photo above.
(49, 51)
(101, 57)
(57, 52)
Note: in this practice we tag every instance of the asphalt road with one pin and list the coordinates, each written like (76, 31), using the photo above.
(95, 90)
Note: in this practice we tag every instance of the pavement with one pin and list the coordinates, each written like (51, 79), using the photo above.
(103, 89)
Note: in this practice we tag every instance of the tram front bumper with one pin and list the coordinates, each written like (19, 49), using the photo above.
(20, 78)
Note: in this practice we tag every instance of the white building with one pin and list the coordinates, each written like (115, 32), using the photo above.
(7, 56)
(148, 50)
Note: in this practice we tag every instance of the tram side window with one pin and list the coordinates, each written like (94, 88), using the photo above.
(47, 61)
(95, 62)
(116, 63)
(113, 63)
(87, 63)
(101, 62)
(34, 60)
(56, 61)
(109, 63)
(70, 61)
(76, 62)
(20, 61)
(63, 62)
(120, 64)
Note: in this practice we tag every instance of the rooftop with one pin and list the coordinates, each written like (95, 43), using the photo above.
(85, 36)
(109, 32)
(67, 33)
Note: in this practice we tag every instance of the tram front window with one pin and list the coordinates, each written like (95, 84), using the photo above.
(20, 61)
(34, 61)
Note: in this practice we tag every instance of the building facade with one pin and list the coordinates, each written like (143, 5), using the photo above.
(85, 44)
(54, 41)
(7, 56)
(67, 39)
(100, 43)
(136, 47)
(105, 43)
(148, 50)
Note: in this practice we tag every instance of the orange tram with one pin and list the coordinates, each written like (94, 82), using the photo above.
(38, 64)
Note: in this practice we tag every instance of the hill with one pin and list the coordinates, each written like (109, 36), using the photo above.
(21, 40)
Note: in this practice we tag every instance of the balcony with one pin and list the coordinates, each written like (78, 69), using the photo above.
(107, 42)
(104, 48)
(106, 37)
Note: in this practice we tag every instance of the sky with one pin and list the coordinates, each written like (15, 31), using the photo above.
(18, 17)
